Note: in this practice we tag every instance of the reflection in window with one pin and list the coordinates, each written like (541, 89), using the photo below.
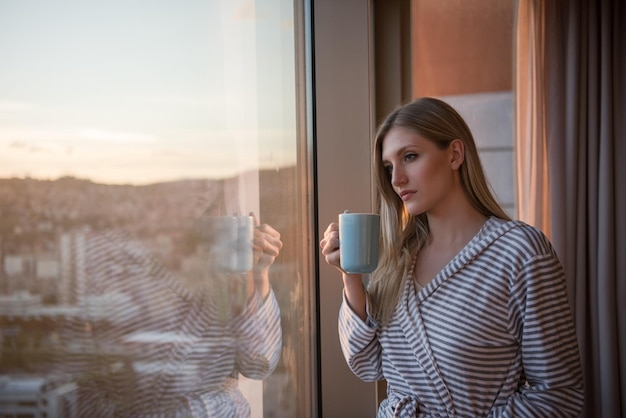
(140, 144)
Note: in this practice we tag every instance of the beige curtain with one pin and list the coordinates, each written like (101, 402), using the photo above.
(570, 140)
(532, 159)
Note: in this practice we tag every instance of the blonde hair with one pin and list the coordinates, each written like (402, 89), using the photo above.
(403, 235)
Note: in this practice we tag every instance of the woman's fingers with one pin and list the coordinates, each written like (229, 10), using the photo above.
(267, 243)
(330, 244)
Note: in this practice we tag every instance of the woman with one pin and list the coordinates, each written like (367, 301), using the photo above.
(166, 348)
(466, 313)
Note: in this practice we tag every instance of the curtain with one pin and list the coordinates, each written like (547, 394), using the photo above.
(533, 187)
(570, 88)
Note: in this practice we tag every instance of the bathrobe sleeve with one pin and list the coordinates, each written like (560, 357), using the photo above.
(259, 337)
(542, 322)
(359, 344)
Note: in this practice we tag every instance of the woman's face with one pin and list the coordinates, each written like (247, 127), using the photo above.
(422, 174)
(204, 194)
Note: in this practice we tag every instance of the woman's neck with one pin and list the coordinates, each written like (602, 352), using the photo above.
(455, 227)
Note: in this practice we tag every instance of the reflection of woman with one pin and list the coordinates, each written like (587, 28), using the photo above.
(467, 313)
(165, 350)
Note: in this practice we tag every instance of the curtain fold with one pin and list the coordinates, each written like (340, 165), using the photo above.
(531, 155)
(570, 134)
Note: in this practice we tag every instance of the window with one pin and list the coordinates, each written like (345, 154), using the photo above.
(130, 132)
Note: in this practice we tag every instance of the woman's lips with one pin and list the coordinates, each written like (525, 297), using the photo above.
(406, 194)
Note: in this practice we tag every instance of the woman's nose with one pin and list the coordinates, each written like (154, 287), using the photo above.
(398, 177)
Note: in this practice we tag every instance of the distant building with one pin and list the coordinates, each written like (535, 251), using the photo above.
(37, 397)
(15, 265)
(46, 266)
(19, 304)
(71, 267)
(37, 273)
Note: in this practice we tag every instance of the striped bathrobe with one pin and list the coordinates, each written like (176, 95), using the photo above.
(491, 335)
(161, 350)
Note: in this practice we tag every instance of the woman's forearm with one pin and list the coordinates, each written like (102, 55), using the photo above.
(355, 294)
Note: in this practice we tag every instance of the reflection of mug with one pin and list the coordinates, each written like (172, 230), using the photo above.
(358, 241)
(234, 243)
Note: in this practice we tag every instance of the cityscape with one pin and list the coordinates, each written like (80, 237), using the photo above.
(141, 243)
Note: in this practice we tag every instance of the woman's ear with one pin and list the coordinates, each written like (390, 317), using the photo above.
(457, 153)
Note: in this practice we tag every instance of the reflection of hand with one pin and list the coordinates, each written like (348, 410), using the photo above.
(266, 246)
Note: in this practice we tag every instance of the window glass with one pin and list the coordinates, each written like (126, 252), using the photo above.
(149, 156)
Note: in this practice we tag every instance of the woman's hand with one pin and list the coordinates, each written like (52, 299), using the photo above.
(352, 283)
(330, 246)
(266, 246)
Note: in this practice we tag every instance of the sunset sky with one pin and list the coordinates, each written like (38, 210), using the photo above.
(140, 91)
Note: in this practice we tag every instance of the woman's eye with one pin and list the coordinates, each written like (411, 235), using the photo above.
(410, 156)
(388, 168)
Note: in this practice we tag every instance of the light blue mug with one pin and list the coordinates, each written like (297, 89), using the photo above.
(359, 235)
(235, 253)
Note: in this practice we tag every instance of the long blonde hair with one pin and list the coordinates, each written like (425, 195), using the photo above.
(403, 235)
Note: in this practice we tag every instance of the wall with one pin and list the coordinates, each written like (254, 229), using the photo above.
(343, 86)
